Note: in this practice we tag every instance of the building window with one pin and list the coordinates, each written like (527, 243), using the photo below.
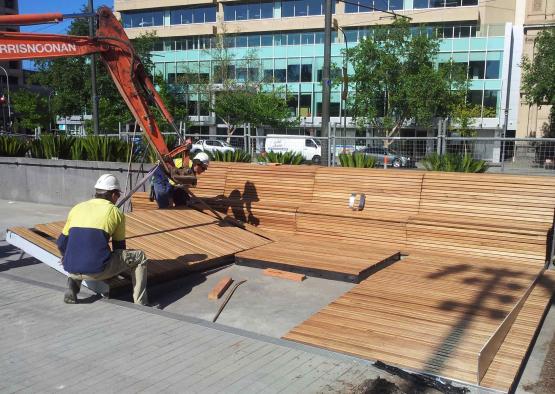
(490, 99)
(374, 5)
(476, 69)
(257, 10)
(9, 4)
(143, 19)
(492, 69)
(183, 16)
(303, 8)
(293, 72)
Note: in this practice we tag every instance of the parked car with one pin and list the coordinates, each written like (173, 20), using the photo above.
(211, 146)
(383, 154)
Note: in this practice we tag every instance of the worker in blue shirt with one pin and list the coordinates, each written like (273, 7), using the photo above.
(166, 192)
(84, 243)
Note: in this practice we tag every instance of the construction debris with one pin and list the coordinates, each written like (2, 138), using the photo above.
(220, 288)
(284, 275)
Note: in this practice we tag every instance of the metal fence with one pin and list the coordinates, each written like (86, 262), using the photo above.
(510, 155)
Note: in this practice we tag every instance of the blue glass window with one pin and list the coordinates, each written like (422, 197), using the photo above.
(267, 10)
(267, 40)
(185, 16)
(143, 19)
(241, 41)
(293, 39)
(395, 5)
(437, 3)
(303, 7)
(351, 8)
(307, 38)
(380, 4)
(288, 8)
(492, 69)
(257, 10)
(293, 73)
(420, 4)
(254, 40)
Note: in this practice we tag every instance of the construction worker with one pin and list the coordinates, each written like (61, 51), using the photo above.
(165, 190)
(86, 254)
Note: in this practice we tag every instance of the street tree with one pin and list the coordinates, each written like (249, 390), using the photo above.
(235, 89)
(397, 82)
(538, 79)
(31, 109)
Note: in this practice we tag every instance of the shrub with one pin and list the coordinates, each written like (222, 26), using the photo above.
(357, 159)
(282, 158)
(229, 156)
(452, 162)
(50, 146)
(13, 147)
(96, 148)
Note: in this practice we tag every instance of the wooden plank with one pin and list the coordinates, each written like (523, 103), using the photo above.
(489, 351)
(284, 275)
(220, 288)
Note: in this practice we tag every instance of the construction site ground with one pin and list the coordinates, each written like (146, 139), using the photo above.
(113, 345)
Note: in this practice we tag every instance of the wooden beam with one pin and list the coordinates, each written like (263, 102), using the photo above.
(220, 288)
(284, 275)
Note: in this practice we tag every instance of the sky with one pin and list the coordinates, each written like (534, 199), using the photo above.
(63, 6)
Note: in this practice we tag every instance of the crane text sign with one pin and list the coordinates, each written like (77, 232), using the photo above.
(34, 49)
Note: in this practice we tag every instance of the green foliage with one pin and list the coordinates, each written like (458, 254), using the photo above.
(13, 147)
(453, 162)
(237, 156)
(32, 110)
(171, 142)
(293, 158)
(96, 148)
(357, 159)
(538, 81)
(396, 81)
(53, 147)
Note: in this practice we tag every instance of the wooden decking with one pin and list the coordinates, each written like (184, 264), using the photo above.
(314, 256)
(175, 241)
(434, 315)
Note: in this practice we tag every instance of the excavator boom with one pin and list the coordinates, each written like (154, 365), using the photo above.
(117, 53)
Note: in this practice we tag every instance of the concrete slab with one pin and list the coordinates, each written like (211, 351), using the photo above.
(265, 305)
(16, 213)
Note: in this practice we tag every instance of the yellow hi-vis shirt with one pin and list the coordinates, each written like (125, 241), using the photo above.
(88, 229)
(179, 164)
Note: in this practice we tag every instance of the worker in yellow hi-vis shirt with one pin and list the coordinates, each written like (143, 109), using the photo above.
(166, 193)
(84, 243)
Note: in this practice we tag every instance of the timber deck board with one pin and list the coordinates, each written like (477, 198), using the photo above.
(434, 314)
(175, 241)
(315, 256)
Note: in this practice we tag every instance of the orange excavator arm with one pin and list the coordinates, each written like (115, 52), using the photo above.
(117, 53)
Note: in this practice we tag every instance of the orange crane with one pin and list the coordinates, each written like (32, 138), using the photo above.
(114, 48)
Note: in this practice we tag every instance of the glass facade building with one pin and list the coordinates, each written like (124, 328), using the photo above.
(292, 58)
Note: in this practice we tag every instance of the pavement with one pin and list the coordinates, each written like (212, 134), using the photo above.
(113, 345)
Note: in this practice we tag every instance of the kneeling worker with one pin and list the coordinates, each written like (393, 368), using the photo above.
(166, 192)
(86, 254)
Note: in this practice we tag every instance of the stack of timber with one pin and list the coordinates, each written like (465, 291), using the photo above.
(434, 315)
(391, 198)
(313, 256)
(488, 215)
(175, 241)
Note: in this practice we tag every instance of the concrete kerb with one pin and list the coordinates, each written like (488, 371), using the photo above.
(59, 182)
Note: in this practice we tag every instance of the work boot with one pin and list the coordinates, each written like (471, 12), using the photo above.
(73, 287)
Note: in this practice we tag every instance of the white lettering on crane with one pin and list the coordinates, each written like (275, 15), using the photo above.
(37, 48)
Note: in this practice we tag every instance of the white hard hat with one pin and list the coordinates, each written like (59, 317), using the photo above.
(107, 182)
(203, 158)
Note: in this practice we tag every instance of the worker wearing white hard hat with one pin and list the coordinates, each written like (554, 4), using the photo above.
(84, 243)
(167, 193)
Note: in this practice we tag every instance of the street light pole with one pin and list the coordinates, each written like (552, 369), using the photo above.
(8, 89)
(94, 96)
(326, 88)
(50, 110)
(344, 85)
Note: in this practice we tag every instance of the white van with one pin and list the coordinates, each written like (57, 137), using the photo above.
(309, 147)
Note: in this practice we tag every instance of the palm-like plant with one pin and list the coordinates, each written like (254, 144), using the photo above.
(237, 156)
(452, 162)
(357, 159)
(53, 147)
(13, 147)
(292, 158)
